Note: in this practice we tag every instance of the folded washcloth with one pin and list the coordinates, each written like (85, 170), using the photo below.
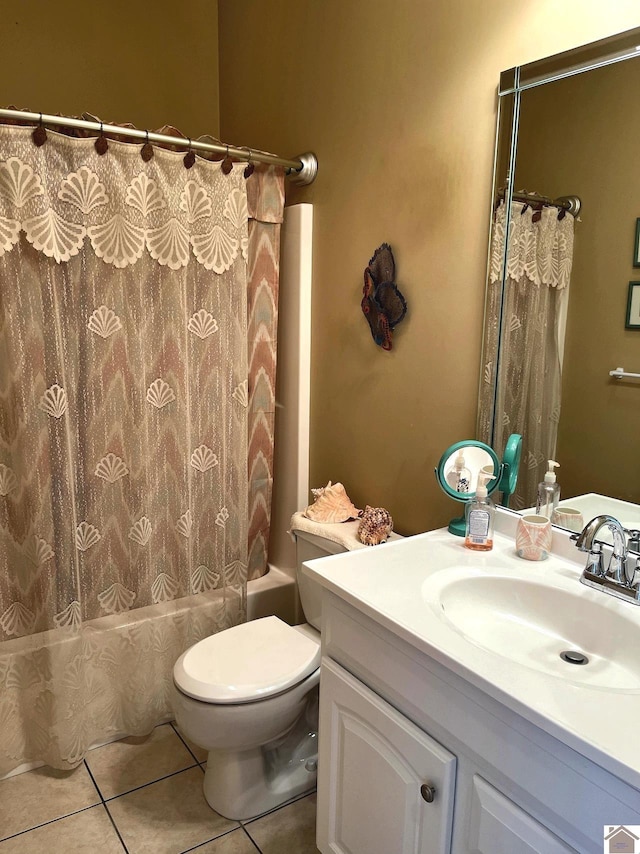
(343, 533)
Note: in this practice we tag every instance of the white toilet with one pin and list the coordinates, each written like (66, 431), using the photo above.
(249, 695)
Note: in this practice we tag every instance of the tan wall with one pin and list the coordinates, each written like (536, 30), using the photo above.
(126, 61)
(398, 101)
(580, 136)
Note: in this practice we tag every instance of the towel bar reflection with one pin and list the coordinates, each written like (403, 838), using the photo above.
(620, 373)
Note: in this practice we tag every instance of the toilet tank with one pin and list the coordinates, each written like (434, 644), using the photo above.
(308, 547)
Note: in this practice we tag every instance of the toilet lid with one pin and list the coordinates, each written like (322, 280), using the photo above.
(248, 662)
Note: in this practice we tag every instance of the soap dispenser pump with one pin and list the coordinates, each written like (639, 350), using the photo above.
(479, 515)
(548, 492)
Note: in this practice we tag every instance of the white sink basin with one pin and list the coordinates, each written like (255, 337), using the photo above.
(532, 622)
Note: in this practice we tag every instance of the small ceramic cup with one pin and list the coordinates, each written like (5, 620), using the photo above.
(568, 517)
(533, 537)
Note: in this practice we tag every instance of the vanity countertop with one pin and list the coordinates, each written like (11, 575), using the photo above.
(438, 596)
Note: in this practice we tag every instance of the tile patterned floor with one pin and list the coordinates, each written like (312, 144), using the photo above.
(140, 796)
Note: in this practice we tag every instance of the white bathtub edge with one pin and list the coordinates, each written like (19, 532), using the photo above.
(273, 593)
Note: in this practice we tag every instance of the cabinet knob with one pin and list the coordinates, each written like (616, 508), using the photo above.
(428, 792)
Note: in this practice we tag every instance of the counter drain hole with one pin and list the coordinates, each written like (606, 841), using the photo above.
(571, 656)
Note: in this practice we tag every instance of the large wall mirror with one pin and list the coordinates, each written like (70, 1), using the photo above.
(564, 249)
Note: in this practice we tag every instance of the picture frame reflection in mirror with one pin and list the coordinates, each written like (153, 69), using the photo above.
(633, 306)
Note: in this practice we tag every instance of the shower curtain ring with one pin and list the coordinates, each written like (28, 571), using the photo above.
(101, 145)
(249, 169)
(227, 163)
(190, 158)
(39, 135)
(146, 152)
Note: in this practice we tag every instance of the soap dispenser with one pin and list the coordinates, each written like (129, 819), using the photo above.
(459, 477)
(548, 492)
(479, 514)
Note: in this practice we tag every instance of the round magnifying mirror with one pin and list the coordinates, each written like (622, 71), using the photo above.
(458, 471)
(460, 466)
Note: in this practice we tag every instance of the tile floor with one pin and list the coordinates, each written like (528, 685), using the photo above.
(139, 795)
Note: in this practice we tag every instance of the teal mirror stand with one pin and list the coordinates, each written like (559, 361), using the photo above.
(457, 526)
(510, 466)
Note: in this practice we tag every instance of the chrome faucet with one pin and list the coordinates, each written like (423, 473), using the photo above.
(617, 580)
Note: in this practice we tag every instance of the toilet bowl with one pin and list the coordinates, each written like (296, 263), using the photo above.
(249, 695)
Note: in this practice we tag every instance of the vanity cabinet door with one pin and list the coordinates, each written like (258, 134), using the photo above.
(384, 786)
(498, 826)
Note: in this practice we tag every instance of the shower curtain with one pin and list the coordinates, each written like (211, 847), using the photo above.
(529, 334)
(124, 408)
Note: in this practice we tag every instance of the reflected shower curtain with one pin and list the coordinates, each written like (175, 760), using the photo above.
(528, 333)
(123, 433)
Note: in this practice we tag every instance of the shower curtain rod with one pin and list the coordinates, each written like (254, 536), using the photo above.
(570, 204)
(302, 170)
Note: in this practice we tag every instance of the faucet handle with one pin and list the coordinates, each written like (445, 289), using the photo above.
(634, 539)
(632, 576)
(595, 563)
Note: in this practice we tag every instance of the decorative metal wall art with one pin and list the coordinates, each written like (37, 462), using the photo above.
(382, 303)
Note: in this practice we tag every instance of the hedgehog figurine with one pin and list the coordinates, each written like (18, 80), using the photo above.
(375, 526)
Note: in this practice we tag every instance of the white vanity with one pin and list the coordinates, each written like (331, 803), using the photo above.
(448, 720)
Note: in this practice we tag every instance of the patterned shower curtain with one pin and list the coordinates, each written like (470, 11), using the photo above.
(523, 324)
(124, 404)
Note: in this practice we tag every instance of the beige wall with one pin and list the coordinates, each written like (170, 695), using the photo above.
(398, 100)
(580, 136)
(126, 61)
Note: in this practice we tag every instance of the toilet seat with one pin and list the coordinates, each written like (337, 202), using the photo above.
(249, 662)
